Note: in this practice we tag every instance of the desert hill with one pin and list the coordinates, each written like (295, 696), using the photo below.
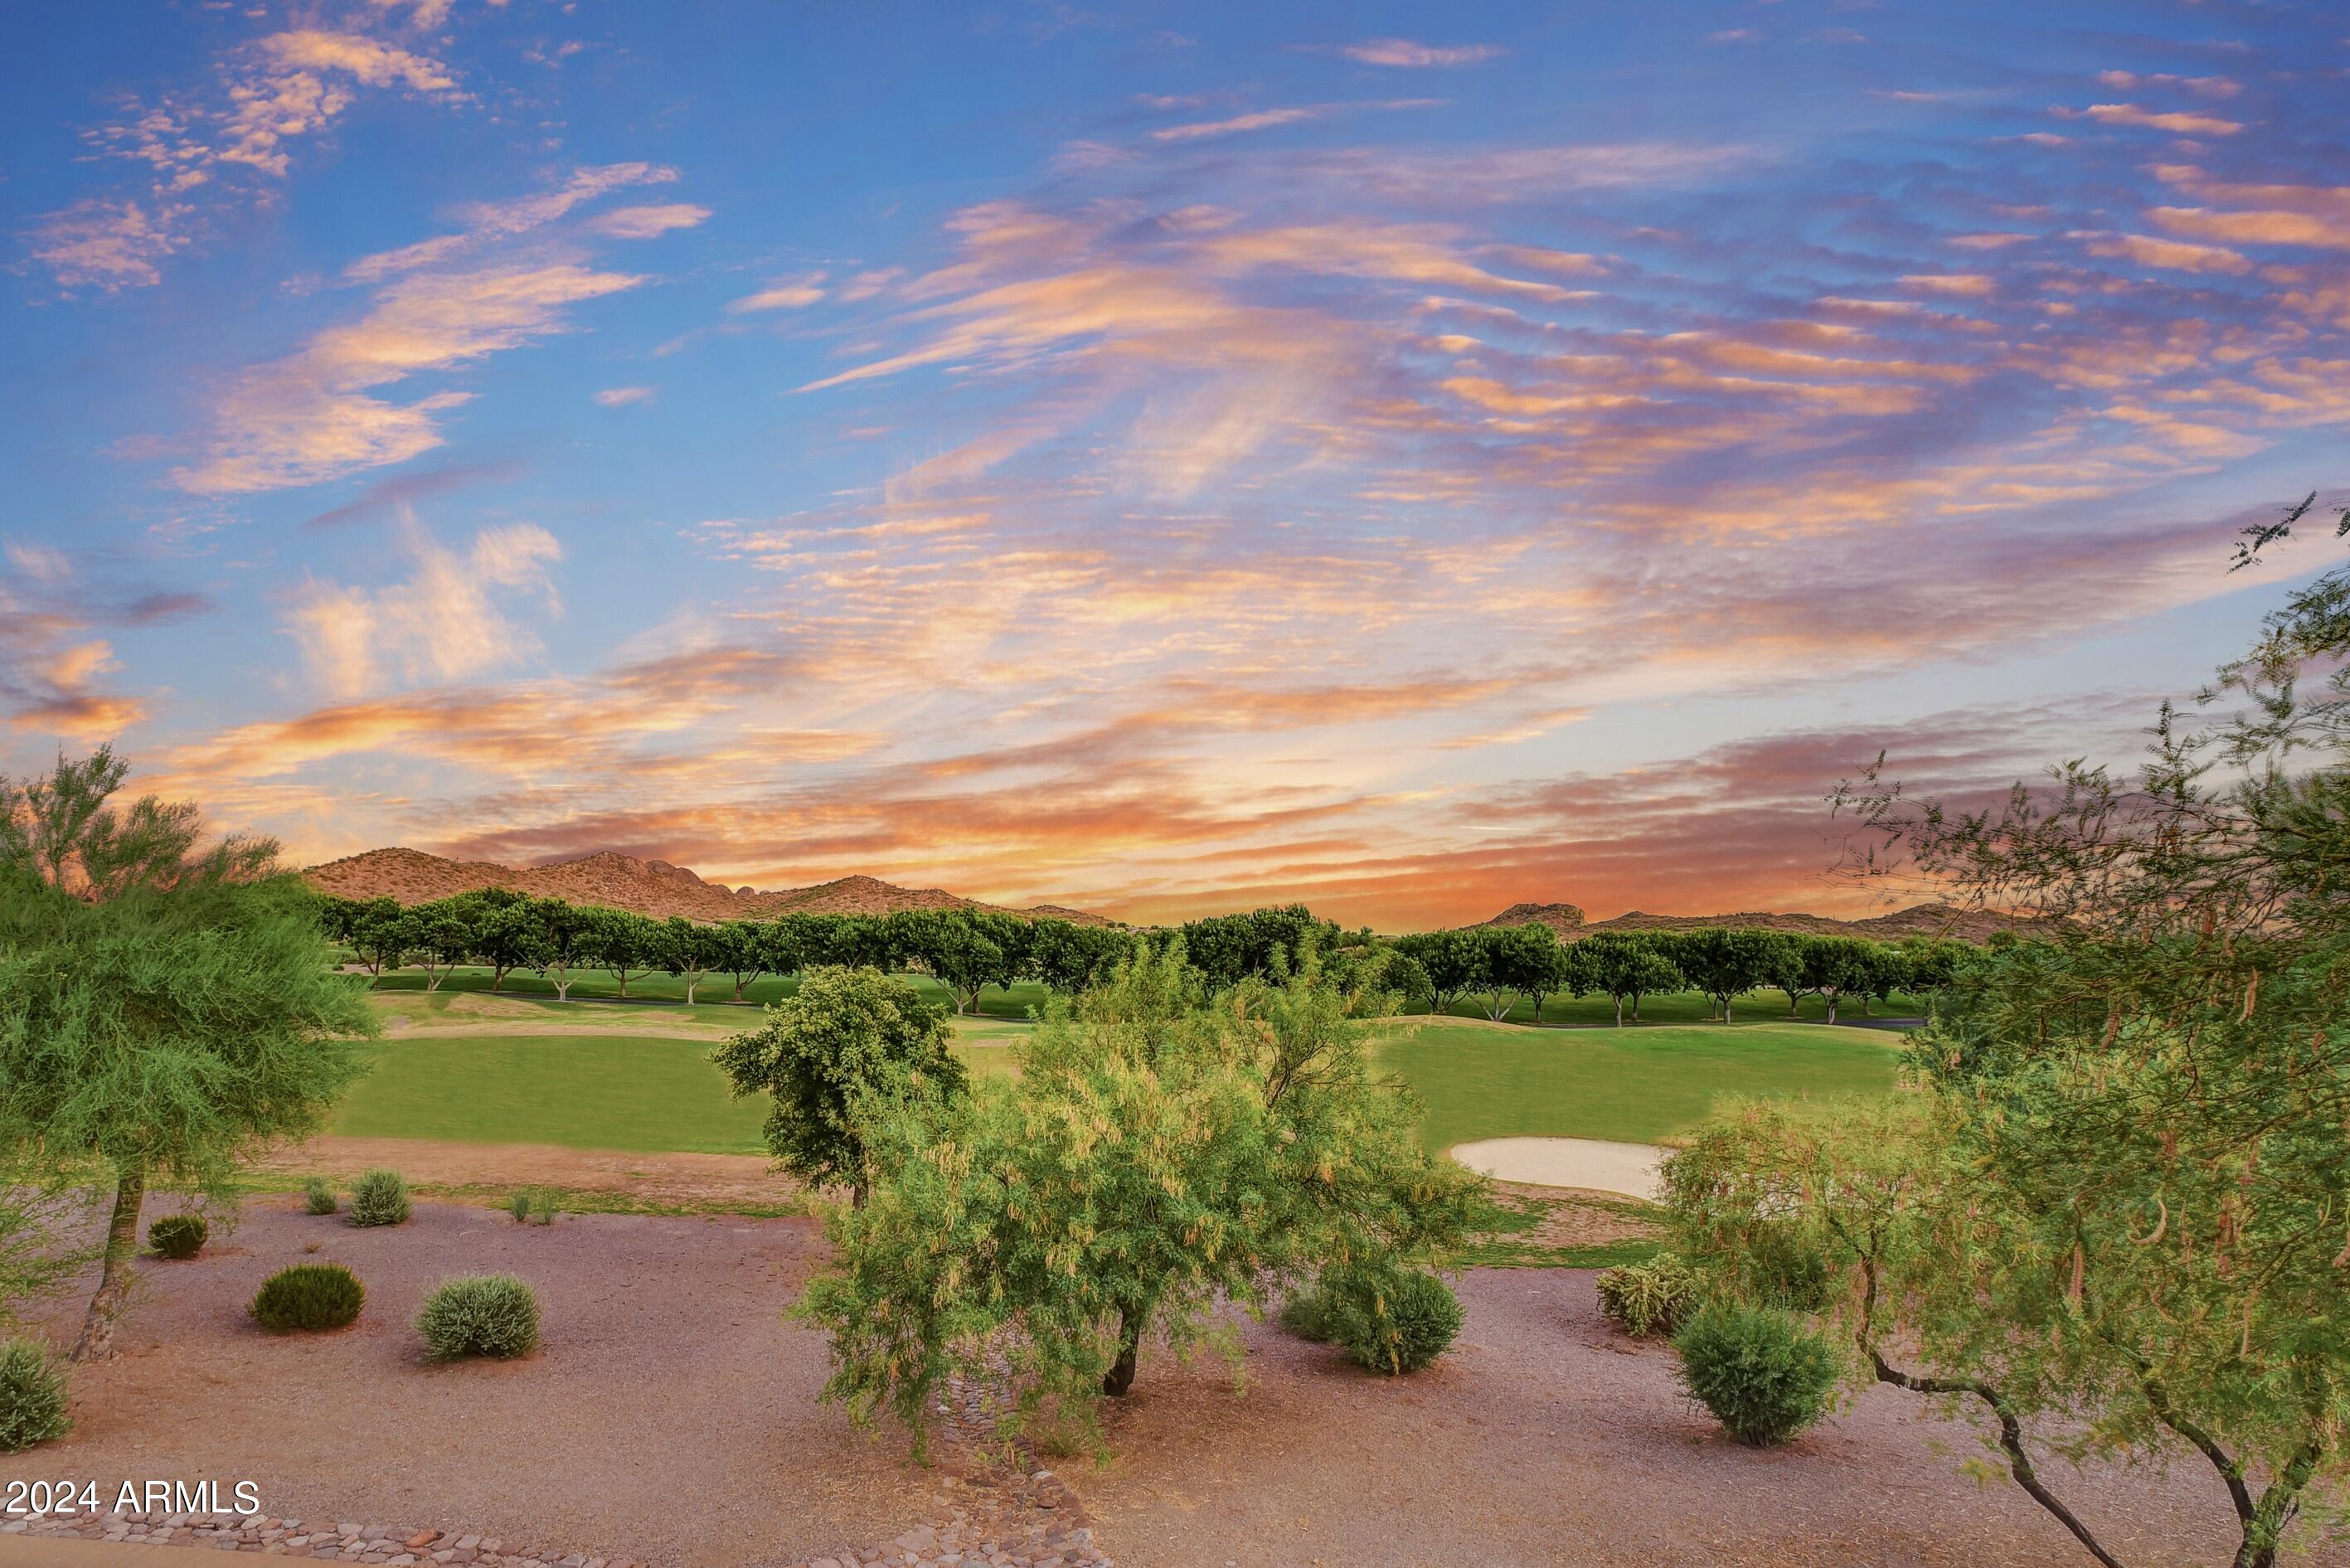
(1565, 919)
(652, 887)
(1917, 921)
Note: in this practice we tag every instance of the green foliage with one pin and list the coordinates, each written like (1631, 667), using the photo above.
(1450, 964)
(178, 1236)
(1622, 966)
(1158, 1152)
(528, 1203)
(1725, 963)
(319, 1196)
(1230, 949)
(518, 1204)
(1306, 1313)
(494, 1315)
(1649, 1298)
(379, 1197)
(32, 1395)
(1764, 1375)
(848, 1046)
(166, 1009)
(308, 1298)
(1389, 1318)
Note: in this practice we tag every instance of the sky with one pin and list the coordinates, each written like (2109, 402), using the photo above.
(1160, 458)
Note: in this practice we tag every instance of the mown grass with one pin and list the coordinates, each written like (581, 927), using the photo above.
(636, 1093)
(714, 995)
(1629, 1085)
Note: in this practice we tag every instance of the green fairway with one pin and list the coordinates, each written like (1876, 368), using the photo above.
(1633, 1085)
(581, 1091)
(1680, 1007)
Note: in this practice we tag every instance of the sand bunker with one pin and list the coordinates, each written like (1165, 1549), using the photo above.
(1631, 1169)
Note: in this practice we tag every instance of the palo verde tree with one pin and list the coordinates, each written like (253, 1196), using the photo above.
(848, 1046)
(2147, 1094)
(1160, 1150)
(167, 1007)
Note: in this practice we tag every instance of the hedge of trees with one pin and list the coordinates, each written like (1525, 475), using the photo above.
(967, 950)
(502, 930)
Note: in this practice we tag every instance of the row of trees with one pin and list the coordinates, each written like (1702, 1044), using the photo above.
(1500, 964)
(967, 950)
(502, 930)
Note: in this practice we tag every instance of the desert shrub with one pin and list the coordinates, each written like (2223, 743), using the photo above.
(32, 1395)
(1307, 1315)
(379, 1197)
(318, 1198)
(307, 1297)
(1763, 1374)
(519, 1204)
(1648, 1298)
(1389, 1318)
(532, 1203)
(178, 1236)
(542, 1207)
(480, 1314)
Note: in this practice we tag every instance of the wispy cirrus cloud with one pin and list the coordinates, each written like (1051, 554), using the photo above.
(446, 621)
(1405, 54)
(269, 96)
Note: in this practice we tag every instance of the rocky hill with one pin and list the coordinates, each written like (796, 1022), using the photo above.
(1917, 921)
(1564, 919)
(652, 887)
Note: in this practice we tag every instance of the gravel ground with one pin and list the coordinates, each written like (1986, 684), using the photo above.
(669, 1415)
(1547, 1438)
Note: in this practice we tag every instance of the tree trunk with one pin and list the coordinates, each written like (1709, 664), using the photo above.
(97, 1340)
(1725, 1010)
(1619, 1012)
(691, 986)
(623, 975)
(1831, 1002)
(738, 988)
(1121, 1375)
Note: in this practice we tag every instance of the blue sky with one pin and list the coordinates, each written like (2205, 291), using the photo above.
(1159, 458)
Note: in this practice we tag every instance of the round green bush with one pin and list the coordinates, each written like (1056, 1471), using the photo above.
(1390, 1319)
(480, 1314)
(1307, 1315)
(1648, 1298)
(318, 1197)
(1785, 1271)
(32, 1395)
(307, 1297)
(1764, 1375)
(379, 1197)
(178, 1235)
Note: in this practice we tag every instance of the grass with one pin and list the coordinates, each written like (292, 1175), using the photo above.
(1630, 1085)
(578, 1091)
(1686, 1007)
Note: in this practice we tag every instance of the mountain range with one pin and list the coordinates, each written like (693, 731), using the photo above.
(658, 889)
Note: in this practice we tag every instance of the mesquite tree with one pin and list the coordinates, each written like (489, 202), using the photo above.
(165, 1009)
(1158, 1150)
(2149, 1095)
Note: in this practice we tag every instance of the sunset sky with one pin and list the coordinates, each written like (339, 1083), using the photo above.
(1160, 459)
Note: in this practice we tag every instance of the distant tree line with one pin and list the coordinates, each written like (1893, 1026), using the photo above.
(502, 930)
(967, 950)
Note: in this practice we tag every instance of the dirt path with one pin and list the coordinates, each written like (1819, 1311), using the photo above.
(651, 1180)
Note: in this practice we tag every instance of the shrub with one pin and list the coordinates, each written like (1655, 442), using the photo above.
(379, 1197)
(32, 1395)
(1648, 1298)
(480, 1314)
(1390, 1319)
(307, 1297)
(519, 1204)
(544, 1209)
(318, 1197)
(530, 1203)
(1307, 1315)
(1764, 1375)
(178, 1236)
